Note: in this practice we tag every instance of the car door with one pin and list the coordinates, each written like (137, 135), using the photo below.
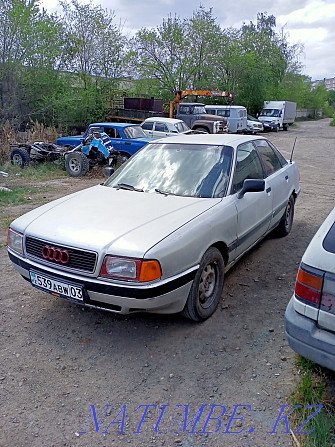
(115, 137)
(147, 127)
(160, 130)
(254, 209)
(277, 178)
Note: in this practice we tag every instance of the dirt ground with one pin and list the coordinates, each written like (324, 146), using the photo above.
(65, 370)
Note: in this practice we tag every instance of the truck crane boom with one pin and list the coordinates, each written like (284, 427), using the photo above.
(181, 94)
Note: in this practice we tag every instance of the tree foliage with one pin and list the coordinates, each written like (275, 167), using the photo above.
(62, 69)
(30, 46)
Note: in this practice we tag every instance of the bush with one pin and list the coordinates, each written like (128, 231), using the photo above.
(37, 132)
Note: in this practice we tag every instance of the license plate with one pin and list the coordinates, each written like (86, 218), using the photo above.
(58, 288)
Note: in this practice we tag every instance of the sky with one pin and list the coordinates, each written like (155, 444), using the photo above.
(310, 23)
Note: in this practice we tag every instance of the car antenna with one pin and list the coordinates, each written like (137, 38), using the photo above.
(293, 149)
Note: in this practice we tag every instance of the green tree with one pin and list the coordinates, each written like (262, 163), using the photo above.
(160, 54)
(95, 56)
(29, 49)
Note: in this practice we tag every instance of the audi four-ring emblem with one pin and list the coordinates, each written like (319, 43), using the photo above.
(55, 254)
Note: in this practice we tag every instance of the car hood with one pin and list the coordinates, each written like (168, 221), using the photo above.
(209, 117)
(145, 140)
(116, 221)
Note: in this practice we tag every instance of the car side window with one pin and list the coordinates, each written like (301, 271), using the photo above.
(248, 166)
(282, 159)
(184, 110)
(161, 127)
(147, 126)
(269, 157)
(111, 132)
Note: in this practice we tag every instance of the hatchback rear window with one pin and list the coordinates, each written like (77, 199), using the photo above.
(329, 240)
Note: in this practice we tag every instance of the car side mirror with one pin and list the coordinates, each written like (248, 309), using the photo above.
(251, 185)
(108, 171)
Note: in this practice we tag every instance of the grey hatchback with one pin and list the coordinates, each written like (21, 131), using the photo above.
(310, 314)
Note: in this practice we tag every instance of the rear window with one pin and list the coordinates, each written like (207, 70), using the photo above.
(329, 240)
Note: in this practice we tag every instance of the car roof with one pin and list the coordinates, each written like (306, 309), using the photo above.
(191, 104)
(211, 139)
(163, 119)
(113, 124)
(214, 106)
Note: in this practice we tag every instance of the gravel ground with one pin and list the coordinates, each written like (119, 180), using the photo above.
(65, 370)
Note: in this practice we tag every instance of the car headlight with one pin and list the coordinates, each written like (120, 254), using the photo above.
(131, 269)
(15, 240)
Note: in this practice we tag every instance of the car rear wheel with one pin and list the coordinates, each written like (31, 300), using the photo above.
(76, 164)
(285, 224)
(206, 289)
(20, 157)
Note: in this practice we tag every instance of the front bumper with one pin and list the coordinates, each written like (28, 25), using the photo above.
(166, 296)
(307, 339)
(270, 126)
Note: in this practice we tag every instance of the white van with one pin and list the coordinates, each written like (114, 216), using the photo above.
(236, 116)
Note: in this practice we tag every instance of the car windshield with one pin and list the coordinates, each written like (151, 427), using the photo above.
(270, 112)
(182, 127)
(251, 118)
(177, 169)
(134, 132)
(198, 110)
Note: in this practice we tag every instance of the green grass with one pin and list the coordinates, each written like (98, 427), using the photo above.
(18, 195)
(38, 172)
(312, 390)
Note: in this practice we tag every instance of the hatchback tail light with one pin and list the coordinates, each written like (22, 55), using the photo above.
(309, 285)
(328, 294)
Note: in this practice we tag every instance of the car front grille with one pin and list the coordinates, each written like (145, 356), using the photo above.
(78, 259)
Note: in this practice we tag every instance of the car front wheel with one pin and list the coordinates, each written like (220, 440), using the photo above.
(206, 289)
(76, 164)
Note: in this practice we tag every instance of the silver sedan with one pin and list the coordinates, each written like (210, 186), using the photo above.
(159, 235)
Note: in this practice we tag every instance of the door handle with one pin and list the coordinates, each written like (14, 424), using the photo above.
(286, 177)
(127, 143)
(268, 189)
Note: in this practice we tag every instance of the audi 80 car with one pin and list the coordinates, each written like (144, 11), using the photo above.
(160, 233)
(310, 314)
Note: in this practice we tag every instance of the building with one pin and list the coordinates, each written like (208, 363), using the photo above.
(329, 83)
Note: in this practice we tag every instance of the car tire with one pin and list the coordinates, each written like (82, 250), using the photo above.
(285, 127)
(20, 157)
(123, 157)
(76, 164)
(206, 289)
(277, 128)
(285, 225)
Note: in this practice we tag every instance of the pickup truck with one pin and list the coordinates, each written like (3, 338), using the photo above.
(195, 116)
(125, 138)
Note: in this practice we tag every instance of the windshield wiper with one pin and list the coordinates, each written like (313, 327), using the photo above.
(165, 193)
(128, 187)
